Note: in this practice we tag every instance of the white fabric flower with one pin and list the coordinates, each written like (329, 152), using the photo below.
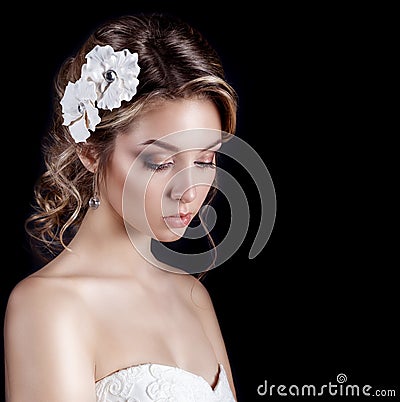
(79, 110)
(107, 79)
(113, 73)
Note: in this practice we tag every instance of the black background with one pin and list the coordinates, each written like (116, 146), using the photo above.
(316, 95)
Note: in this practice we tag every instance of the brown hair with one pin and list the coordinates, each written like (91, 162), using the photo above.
(175, 61)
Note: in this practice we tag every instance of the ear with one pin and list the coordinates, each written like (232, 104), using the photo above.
(87, 156)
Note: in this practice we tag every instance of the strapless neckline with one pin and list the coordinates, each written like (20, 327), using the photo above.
(148, 382)
(221, 372)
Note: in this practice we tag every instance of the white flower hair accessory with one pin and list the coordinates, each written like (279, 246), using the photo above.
(107, 79)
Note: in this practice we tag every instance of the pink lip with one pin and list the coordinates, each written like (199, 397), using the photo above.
(178, 221)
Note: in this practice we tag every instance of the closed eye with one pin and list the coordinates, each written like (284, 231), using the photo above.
(205, 164)
(158, 166)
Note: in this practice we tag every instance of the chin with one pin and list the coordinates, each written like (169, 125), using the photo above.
(169, 236)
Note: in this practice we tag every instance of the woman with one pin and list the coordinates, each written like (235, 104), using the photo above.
(130, 157)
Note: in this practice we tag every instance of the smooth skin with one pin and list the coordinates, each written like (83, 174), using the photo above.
(104, 305)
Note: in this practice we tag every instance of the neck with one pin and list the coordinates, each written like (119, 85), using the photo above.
(103, 237)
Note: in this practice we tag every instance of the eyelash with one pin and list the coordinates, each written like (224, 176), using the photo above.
(163, 166)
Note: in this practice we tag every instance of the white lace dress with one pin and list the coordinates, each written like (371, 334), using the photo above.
(156, 382)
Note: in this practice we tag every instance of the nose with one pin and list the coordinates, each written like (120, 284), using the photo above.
(183, 187)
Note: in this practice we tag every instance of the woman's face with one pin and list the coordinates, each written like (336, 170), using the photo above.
(162, 170)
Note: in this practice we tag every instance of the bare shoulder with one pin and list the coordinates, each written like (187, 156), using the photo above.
(44, 307)
(200, 301)
(197, 293)
(46, 327)
(40, 296)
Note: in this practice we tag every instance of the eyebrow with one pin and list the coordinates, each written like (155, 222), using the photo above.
(170, 147)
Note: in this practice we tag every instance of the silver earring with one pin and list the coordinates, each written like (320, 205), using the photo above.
(94, 201)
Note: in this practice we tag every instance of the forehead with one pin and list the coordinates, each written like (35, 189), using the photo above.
(179, 124)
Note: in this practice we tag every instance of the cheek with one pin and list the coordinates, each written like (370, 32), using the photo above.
(202, 192)
(142, 200)
(206, 181)
(153, 196)
(125, 185)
